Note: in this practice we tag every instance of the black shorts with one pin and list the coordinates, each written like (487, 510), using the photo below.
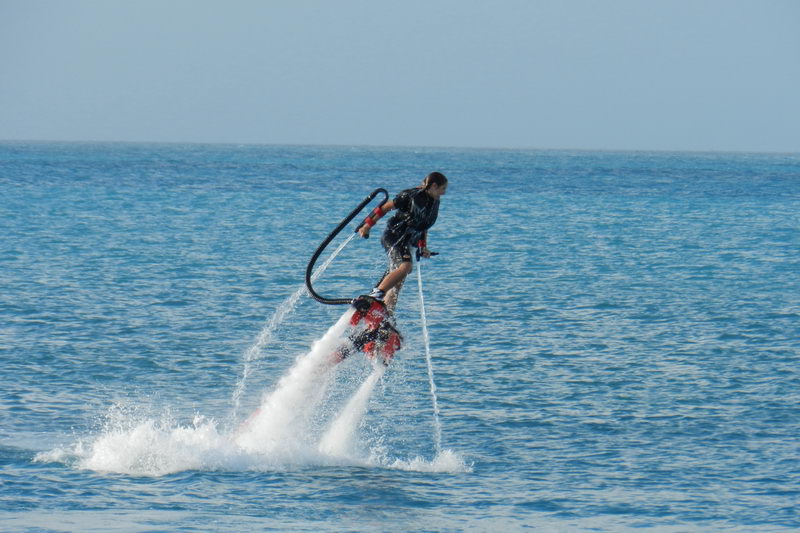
(398, 249)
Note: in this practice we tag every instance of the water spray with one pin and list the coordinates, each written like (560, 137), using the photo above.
(437, 425)
(284, 310)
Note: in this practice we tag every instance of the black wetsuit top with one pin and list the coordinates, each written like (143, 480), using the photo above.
(416, 213)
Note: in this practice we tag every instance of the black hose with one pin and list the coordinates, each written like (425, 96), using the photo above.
(332, 235)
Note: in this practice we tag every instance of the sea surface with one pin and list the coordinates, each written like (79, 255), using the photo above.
(614, 342)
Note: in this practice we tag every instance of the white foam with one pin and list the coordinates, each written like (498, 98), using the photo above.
(154, 447)
(446, 461)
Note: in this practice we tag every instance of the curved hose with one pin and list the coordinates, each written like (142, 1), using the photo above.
(332, 235)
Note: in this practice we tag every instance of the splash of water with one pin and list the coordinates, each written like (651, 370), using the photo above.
(277, 437)
(253, 353)
(284, 412)
(339, 440)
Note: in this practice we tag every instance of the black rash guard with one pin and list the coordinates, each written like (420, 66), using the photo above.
(416, 213)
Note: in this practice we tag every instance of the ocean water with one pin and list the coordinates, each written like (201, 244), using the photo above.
(613, 342)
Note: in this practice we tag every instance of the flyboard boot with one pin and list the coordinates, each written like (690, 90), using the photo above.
(374, 331)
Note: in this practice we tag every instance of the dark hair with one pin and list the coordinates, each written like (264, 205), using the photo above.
(435, 178)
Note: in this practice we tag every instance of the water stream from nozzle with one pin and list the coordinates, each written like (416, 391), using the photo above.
(437, 425)
(286, 307)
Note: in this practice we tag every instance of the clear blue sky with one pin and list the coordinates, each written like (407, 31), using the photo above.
(616, 74)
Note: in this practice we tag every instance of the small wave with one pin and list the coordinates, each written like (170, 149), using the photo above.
(447, 461)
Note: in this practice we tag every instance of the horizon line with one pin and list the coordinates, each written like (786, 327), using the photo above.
(405, 146)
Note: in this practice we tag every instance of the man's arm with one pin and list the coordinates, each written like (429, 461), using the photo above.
(385, 208)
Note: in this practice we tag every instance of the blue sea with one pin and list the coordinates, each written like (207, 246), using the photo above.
(613, 342)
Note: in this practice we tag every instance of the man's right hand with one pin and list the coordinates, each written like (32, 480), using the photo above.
(364, 231)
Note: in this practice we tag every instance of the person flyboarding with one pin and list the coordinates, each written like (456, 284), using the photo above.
(417, 210)
(373, 329)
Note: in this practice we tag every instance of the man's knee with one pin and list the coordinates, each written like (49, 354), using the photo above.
(406, 267)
